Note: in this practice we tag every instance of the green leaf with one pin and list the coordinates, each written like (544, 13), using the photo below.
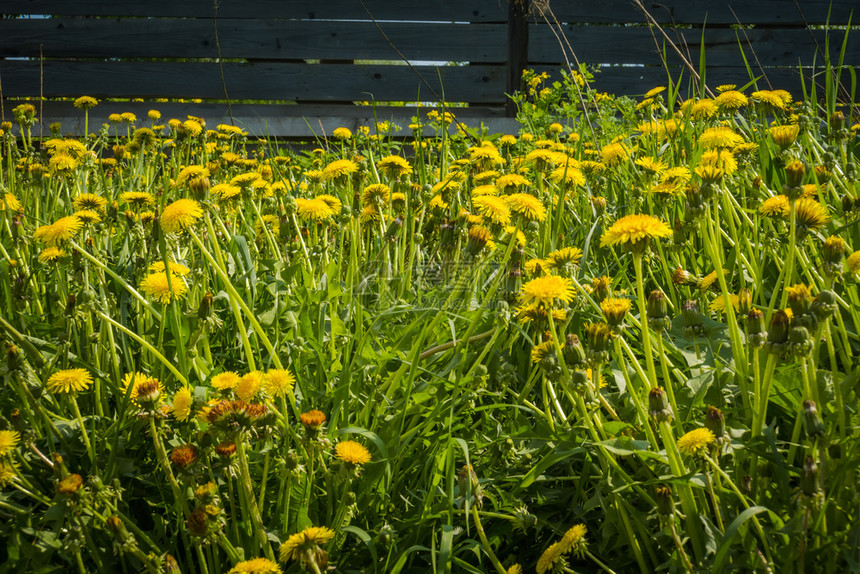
(731, 532)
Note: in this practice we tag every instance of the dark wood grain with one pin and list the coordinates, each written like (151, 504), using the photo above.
(440, 10)
(258, 39)
(261, 81)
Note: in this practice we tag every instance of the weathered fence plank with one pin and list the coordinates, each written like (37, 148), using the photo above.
(258, 39)
(257, 81)
(439, 10)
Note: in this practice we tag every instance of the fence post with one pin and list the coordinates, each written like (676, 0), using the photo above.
(518, 48)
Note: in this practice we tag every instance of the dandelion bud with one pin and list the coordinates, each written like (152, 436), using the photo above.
(171, 566)
(469, 483)
(479, 236)
(196, 523)
(657, 309)
(837, 120)
(809, 477)
(292, 460)
(600, 288)
(205, 308)
(599, 335)
(824, 305)
(658, 405)
(394, 228)
(522, 519)
(715, 421)
(206, 492)
(822, 174)
(13, 357)
(832, 251)
(119, 151)
(799, 299)
(599, 204)
(799, 341)
(148, 393)
(70, 485)
(665, 501)
(848, 204)
(777, 336)
(794, 173)
(226, 449)
(573, 351)
(756, 329)
(694, 325)
(812, 420)
(184, 456)
(685, 278)
(744, 301)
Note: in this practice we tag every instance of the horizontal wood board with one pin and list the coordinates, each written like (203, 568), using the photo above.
(780, 12)
(476, 43)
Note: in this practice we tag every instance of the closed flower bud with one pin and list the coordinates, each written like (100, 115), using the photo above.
(832, 251)
(715, 422)
(794, 173)
(171, 566)
(70, 484)
(657, 308)
(694, 325)
(848, 203)
(799, 299)
(574, 353)
(822, 174)
(837, 120)
(658, 405)
(799, 341)
(824, 305)
(778, 329)
(665, 501)
(756, 329)
(812, 420)
(809, 477)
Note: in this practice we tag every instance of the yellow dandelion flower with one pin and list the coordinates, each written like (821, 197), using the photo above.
(341, 133)
(731, 100)
(182, 402)
(313, 209)
(255, 566)
(88, 216)
(249, 385)
(352, 452)
(51, 254)
(567, 174)
(157, 286)
(722, 159)
(550, 557)
(527, 206)
(180, 215)
(632, 229)
(784, 136)
(574, 540)
(695, 441)
(539, 314)
(678, 174)
(375, 193)
(339, 168)
(651, 165)
(8, 441)
(720, 137)
(510, 181)
(809, 214)
(768, 98)
(615, 309)
(278, 382)
(299, 545)
(333, 202)
(703, 109)
(10, 202)
(546, 290)
(61, 230)
(225, 381)
(226, 191)
(493, 208)
(8, 472)
(137, 198)
(178, 268)
(89, 201)
(542, 351)
(614, 153)
(852, 264)
(394, 166)
(69, 381)
(85, 102)
(776, 206)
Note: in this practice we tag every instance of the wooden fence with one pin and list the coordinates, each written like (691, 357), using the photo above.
(311, 60)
